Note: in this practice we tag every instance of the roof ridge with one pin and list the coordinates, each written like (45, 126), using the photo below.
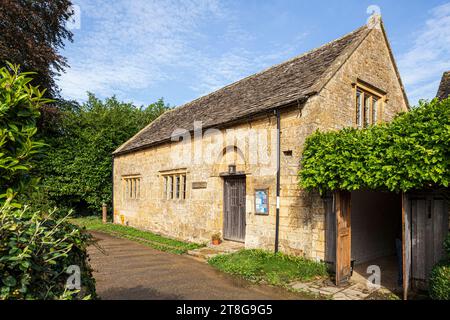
(271, 67)
(123, 145)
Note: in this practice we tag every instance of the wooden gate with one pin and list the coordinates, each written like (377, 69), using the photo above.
(342, 203)
(234, 209)
(429, 227)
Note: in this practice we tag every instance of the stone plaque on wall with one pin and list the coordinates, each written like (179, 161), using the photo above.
(199, 185)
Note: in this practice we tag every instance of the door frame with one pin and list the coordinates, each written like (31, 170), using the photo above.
(342, 251)
(343, 246)
(234, 177)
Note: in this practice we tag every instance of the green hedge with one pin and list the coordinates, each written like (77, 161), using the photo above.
(35, 253)
(411, 152)
(439, 282)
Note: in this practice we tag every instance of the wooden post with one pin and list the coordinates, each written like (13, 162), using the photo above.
(104, 212)
(406, 244)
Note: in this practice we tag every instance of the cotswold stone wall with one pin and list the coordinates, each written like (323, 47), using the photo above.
(302, 228)
(302, 217)
(200, 215)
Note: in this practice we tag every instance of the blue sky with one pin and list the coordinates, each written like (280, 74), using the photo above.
(141, 50)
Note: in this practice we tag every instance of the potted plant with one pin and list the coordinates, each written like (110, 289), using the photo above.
(216, 239)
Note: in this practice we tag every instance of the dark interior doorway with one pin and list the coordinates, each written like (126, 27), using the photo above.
(376, 235)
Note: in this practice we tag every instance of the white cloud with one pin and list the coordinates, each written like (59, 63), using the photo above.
(127, 44)
(215, 72)
(136, 45)
(423, 65)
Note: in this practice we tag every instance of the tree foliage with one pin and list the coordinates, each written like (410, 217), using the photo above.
(31, 32)
(35, 248)
(35, 254)
(19, 111)
(77, 169)
(412, 152)
(439, 281)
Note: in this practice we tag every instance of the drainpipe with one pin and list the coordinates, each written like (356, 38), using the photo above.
(277, 217)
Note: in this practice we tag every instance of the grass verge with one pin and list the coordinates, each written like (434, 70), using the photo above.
(145, 237)
(272, 268)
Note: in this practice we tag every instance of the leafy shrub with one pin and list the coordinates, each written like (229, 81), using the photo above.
(19, 111)
(447, 246)
(411, 152)
(439, 282)
(35, 252)
(36, 249)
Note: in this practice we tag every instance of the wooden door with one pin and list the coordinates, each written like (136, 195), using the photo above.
(342, 203)
(429, 227)
(234, 209)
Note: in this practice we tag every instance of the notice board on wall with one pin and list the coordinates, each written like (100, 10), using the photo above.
(262, 201)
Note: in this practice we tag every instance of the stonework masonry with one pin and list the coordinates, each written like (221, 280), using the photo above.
(200, 214)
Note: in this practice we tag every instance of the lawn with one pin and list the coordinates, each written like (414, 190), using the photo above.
(145, 237)
(263, 266)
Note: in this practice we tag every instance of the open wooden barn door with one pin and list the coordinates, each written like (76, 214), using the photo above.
(342, 201)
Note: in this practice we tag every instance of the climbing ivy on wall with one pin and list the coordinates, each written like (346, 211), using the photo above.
(411, 152)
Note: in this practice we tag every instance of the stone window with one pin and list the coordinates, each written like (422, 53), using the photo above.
(132, 187)
(368, 106)
(174, 186)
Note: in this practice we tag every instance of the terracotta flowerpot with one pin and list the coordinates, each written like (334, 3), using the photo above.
(216, 242)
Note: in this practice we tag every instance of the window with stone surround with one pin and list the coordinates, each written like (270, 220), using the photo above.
(174, 186)
(369, 102)
(132, 187)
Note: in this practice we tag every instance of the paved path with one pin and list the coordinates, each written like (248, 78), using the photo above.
(129, 270)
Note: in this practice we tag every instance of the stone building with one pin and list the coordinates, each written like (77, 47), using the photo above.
(210, 165)
(444, 87)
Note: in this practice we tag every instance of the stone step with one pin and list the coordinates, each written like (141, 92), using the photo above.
(210, 251)
(202, 253)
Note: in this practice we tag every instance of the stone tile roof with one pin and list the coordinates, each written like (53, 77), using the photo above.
(444, 88)
(289, 82)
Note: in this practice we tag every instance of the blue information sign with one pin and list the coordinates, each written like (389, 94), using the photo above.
(261, 201)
